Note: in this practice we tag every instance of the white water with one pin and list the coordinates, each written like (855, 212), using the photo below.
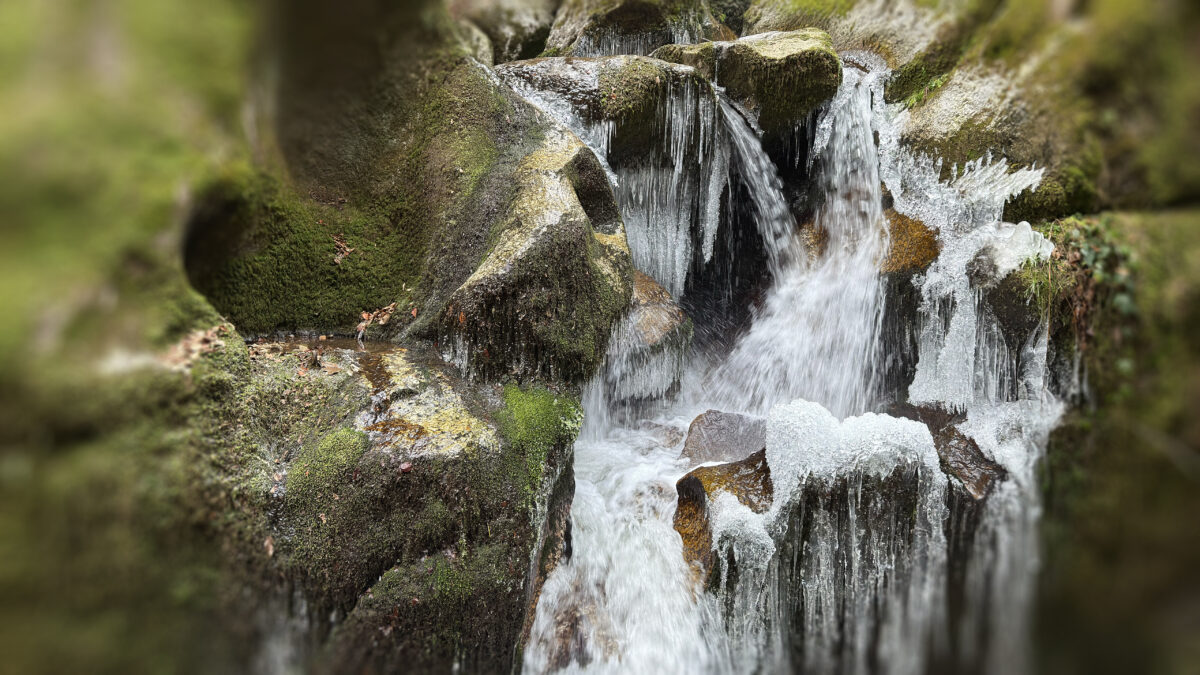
(865, 589)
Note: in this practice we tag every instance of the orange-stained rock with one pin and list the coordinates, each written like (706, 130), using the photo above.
(749, 480)
(913, 245)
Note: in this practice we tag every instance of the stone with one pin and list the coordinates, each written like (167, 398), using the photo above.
(610, 27)
(960, 456)
(557, 276)
(517, 29)
(912, 245)
(748, 479)
(717, 436)
(646, 357)
(779, 76)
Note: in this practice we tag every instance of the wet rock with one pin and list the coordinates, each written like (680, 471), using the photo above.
(609, 27)
(517, 29)
(1011, 303)
(630, 92)
(557, 276)
(748, 479)
(960, 456)
(647, 359)
(781, 77)
(388, 519)
(716, 436)
(912, 245)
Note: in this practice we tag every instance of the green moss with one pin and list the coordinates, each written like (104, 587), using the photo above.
(324, 466)
(634, 87)
(534, 422)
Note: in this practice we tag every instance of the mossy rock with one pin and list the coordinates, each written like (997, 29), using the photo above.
(557, 275)
(517, 29)
(781, 76)
(428, 542)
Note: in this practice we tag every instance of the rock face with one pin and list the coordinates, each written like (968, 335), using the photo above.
(748, 479)
(517, 29)
(429, 518)
(610, 27)
(960, 456)
(557, 275)
(780, 76)
(716, 436)
(438, 192)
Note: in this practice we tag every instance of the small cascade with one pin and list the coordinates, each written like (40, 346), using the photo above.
(848, 570)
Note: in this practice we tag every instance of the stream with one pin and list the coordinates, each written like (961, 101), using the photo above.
(856, 566)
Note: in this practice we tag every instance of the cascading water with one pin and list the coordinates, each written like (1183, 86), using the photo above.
(846, 572)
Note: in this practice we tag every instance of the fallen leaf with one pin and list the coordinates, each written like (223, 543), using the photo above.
(322, 517)
(269, 545)
(331, 368)
(414, 312)
(406, 467)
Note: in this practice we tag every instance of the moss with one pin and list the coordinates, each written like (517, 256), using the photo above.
(634, 87)
(1118, 499)
(323, 467)
(533, 422)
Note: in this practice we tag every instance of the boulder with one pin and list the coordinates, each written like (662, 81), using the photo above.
(611, 27)
(438, 189)
(960, 456)
(557, 276)
(517, 29)
(716, 436)
(748, 479)
(391, 519)
(780, 77)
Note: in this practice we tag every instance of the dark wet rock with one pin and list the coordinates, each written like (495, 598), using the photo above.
(609, 27)
(749, 480)
(960, 456)
(912, 246)
(717, 436)
(1011, 303)
(780, 77)
(516, 29)
(391, 520)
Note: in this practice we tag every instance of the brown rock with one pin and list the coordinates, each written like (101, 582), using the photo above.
(913, 245)
(717, 436)
(960, 456)
(749, 480)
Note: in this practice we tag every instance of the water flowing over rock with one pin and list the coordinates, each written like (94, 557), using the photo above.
(610, 27)
(648, 347)
(780, 77)
(658, 127)
(885, 543)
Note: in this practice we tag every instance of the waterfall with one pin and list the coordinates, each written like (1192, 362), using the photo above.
(847, 571)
